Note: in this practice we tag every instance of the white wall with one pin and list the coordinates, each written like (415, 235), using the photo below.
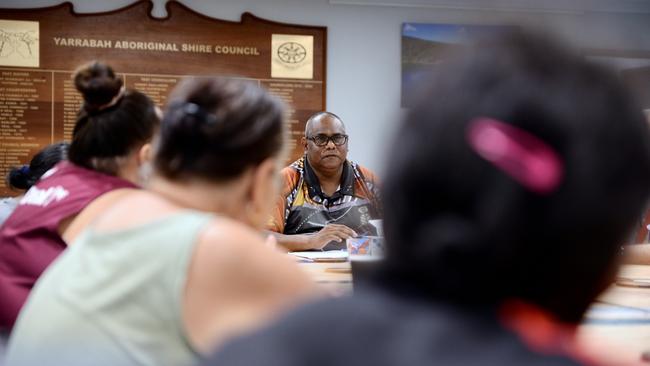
(363, 66)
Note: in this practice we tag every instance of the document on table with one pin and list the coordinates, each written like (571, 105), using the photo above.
(322, 256)
(612, 314)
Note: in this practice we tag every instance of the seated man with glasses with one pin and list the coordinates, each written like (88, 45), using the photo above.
(325, 197)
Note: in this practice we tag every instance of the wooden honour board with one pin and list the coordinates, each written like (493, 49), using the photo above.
(40, 49)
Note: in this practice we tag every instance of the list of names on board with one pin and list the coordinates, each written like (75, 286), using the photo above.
(39, 103)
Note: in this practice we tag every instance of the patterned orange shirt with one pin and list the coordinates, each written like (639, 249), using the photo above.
(303, 208)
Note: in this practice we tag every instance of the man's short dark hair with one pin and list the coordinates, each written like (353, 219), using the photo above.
(318, 115)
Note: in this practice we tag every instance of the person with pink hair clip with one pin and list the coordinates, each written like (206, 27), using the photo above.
(506, 198)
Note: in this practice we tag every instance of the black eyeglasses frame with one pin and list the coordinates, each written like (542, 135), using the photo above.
(327, 139)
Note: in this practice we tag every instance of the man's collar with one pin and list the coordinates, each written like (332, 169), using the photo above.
(346, 186)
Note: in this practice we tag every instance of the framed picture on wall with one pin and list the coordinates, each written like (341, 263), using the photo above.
(426, 45)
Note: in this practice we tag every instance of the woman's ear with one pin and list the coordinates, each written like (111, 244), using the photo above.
(144, 154)
(143, 164)
(263, 190)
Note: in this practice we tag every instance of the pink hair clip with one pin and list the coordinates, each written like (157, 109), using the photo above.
(521, 155)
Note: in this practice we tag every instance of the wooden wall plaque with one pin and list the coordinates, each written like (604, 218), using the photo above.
(40, 49)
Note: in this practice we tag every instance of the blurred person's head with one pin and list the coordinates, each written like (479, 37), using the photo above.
(517, 176)
(115, 125)
(227, 133)
(24, 177)
(325, 142)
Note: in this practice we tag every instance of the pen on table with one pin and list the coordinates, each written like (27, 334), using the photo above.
(303, 259)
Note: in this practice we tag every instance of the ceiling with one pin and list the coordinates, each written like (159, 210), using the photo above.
(539, 6)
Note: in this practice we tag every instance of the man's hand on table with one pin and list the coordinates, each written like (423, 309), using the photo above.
(331, 232)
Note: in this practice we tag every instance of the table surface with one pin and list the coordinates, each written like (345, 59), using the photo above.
(616, 329)
(620, 320)
(334, 277)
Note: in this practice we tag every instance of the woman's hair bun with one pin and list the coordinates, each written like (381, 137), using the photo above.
(97, 83)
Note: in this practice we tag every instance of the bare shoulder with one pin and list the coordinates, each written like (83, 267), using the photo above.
(235, 246)
(227, 247)
(237, 283)
(228, 240)
(127, 207)
(70, 227)
(108, 199)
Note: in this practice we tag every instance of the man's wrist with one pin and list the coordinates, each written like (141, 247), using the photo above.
(308, 241)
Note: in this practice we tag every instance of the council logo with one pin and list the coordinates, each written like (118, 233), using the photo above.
(292, 56)
(291, 52)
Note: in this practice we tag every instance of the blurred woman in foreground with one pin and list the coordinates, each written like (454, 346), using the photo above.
(507, 195)
(168, 273)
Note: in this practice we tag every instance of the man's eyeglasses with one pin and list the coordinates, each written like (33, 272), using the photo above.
(322, 140)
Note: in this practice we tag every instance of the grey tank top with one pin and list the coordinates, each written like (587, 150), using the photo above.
(113, 298)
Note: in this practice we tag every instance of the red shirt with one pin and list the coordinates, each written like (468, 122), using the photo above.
(29, 239)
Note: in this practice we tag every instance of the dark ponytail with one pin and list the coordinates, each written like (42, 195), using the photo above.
(25, 177)
(112, 121)
(215, 128)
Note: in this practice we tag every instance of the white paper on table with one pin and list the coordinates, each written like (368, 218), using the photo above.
(606, 314)
(322, 256)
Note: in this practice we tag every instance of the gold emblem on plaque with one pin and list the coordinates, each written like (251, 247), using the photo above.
(19, 44)
(292, 52)
(292, 56)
